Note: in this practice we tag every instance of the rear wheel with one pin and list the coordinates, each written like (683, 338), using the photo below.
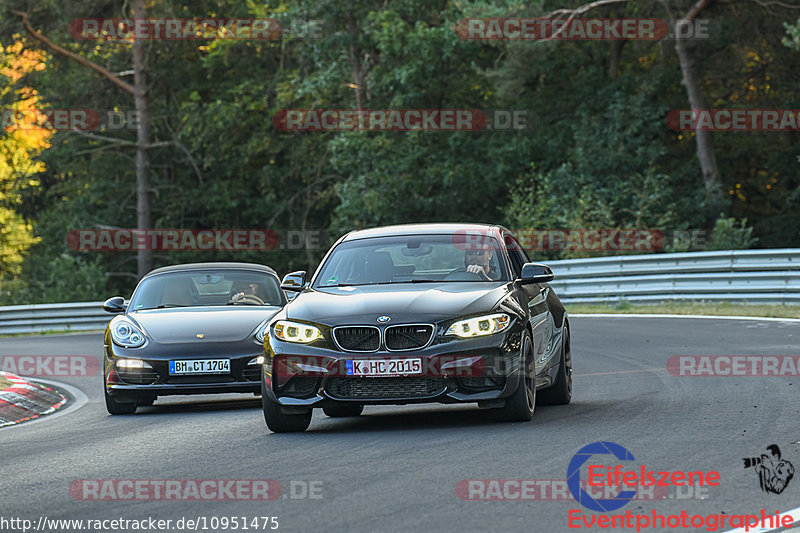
(116, 407)
(561, 391)
(278, 421)
(343, 410)
(519, 407)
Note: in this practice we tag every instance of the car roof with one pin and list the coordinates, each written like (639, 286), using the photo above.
(212, 266)
(423, 229)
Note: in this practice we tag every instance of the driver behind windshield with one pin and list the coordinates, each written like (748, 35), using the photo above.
(478, 261)
(246, 292)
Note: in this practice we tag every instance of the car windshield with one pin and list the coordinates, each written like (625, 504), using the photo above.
(412, 259)
(207, 288)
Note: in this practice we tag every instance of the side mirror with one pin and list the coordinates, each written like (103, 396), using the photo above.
(294, 281)
(536, 273)
(115, 305)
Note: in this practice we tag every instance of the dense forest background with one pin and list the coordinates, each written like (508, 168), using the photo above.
(598, 153)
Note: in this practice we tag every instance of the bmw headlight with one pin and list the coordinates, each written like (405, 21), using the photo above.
(479, 326)
(127, 335)
(289, 331)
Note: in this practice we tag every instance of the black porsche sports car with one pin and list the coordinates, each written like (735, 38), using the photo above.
(418, 313)
(189, 329)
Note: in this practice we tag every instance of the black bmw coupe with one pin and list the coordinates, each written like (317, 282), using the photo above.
(446, 313)
(189, 329)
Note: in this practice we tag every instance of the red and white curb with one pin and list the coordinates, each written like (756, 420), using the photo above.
(24, 400)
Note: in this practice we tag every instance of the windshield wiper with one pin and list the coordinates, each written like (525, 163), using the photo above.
(165, 306)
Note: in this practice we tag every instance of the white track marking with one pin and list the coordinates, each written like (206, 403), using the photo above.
(713, 317)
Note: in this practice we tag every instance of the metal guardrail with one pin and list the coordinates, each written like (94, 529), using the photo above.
(38, 318)
(754, 276)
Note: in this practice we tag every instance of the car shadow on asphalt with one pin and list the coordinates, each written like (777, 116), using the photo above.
(427, 419)
(171, 406)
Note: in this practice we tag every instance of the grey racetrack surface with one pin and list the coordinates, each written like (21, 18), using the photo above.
(396, 468)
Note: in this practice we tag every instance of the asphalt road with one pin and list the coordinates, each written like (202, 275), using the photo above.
(396, 468)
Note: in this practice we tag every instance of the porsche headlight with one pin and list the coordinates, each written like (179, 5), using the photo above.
(261, 332)
(127, 335)
(289, 331)
(479, 326)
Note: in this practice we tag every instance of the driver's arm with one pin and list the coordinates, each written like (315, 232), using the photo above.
(478, 269)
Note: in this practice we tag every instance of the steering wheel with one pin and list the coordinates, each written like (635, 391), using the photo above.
(243, 298)
(462, 274)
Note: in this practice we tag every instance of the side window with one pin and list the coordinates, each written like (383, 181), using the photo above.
(525, 257)
(516, 254)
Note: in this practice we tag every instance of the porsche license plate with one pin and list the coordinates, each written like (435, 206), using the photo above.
(200, 366)
(384, 367)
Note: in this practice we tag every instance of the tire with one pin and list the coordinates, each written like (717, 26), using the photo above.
(279, 422)
(560, 393)
(520, 405)
(343, 410)
(115, 407)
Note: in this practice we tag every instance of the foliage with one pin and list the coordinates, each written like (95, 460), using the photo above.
(597, 154)
(793, 32)
(730, 235)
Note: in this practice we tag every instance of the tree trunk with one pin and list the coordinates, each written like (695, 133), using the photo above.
(355, 59)
(144, 257)
(705, 150)
(613, 58)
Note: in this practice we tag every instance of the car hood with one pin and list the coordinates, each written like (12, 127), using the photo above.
(402, 303)
(216, 324)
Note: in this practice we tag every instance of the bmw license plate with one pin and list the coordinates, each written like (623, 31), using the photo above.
(200, 366)
(384, 367)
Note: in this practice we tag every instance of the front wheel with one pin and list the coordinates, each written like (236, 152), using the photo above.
(519, 407)
(278, 421)
(115, 407)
